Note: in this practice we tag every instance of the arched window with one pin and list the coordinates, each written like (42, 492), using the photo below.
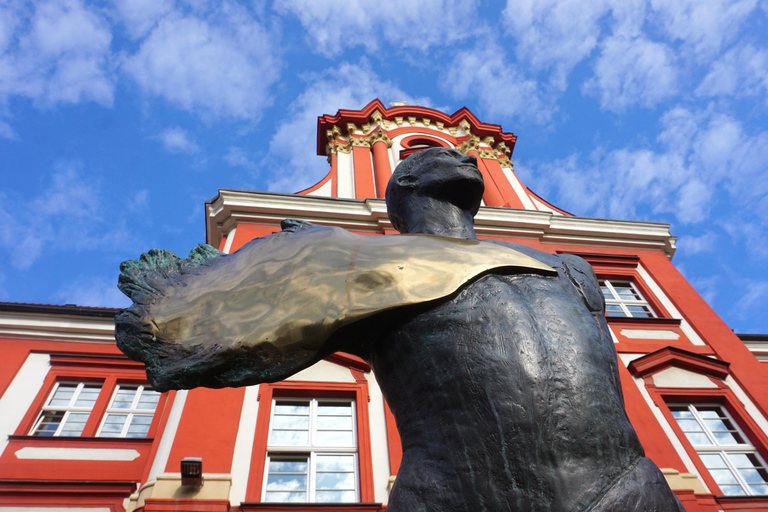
(416, 143)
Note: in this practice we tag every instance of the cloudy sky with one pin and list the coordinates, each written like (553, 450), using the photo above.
(118, 120)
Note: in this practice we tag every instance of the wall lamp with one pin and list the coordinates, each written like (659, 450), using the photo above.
(192, 471)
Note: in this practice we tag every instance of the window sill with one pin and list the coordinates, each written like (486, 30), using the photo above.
(743, 502)
(667, 322)
(313, 507)
(77, 440)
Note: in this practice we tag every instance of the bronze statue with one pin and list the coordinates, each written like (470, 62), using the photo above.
(495, 358)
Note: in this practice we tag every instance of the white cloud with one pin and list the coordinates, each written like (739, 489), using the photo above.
(753, 299)
(639, 49)
(68, 214)
(141, 16)
(697, 244)
(707, 287)
(741, 71)
(500, 87)
(237, 157)
(555, 33)
(704, 25)
(223, 65)
(701, 159)
(54, 52)
(292, 160)
(631, 71)
(176, 140)
(332, 27)
(139, 201)
(92, 291)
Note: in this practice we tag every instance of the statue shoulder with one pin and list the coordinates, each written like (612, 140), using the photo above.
(574, 268)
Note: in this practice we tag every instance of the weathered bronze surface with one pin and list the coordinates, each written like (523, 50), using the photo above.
(497, 364)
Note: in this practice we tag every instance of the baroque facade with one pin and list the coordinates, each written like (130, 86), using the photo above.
(81, 429)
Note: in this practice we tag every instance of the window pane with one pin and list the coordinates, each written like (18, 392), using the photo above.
(290, 437)
(148, 400)
(727, 438)
(74, 424)
(713, 461)
(335, 496)
(690, 425)
(49, 423)
(759, 489)
(123, 398)
(681, 413)
(723, 476)
(138, 429)
(63, 395)
(288, 466)
(732, 490)
(286, 482)
(336, 481)
(113, 425)
(639, 311)
(335, 438)
(292, 408)
(88, 395)
(717, 425)
(334, 409)
(752, 476)
(335, 463)
(698, 438)
(614, 310)
(709, 412)
(290, 422)
(744, 460)
(286, 497)
(334, 423)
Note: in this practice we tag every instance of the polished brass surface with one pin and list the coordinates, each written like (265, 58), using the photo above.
(296, 289)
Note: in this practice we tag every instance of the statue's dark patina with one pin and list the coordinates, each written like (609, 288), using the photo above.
(497, 363)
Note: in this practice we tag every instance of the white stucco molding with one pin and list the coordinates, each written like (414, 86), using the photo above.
(57, 326)
(230, 207)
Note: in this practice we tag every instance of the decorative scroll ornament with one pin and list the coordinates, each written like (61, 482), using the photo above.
(379, 135)
(471, 144)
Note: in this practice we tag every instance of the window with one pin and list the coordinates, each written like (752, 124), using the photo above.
(130, 412)
(731, 460)
(622, 298)
(312, 451)
(68, 409)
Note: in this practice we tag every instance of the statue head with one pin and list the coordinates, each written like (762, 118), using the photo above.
(429, 177)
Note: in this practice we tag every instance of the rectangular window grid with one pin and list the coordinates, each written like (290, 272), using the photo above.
(130, 412)
(312, 452)
(67, 409)
(733, 463)
(623, 299)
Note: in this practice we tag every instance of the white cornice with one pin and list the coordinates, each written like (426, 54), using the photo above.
(56, 327)
(230, 207)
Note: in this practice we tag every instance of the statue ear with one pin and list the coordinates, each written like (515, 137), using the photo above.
(407, 181)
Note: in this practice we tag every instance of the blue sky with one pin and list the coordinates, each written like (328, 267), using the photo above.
(118, 120)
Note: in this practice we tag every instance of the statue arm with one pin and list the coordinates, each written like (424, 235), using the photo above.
(583, 277)
(200, 321)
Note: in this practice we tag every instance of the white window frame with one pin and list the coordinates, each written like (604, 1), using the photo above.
(130, 413)
(623, 303)
(67, 409)
(723, 449)
(311, 451)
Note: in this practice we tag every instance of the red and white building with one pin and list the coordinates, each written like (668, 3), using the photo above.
(80, 430)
